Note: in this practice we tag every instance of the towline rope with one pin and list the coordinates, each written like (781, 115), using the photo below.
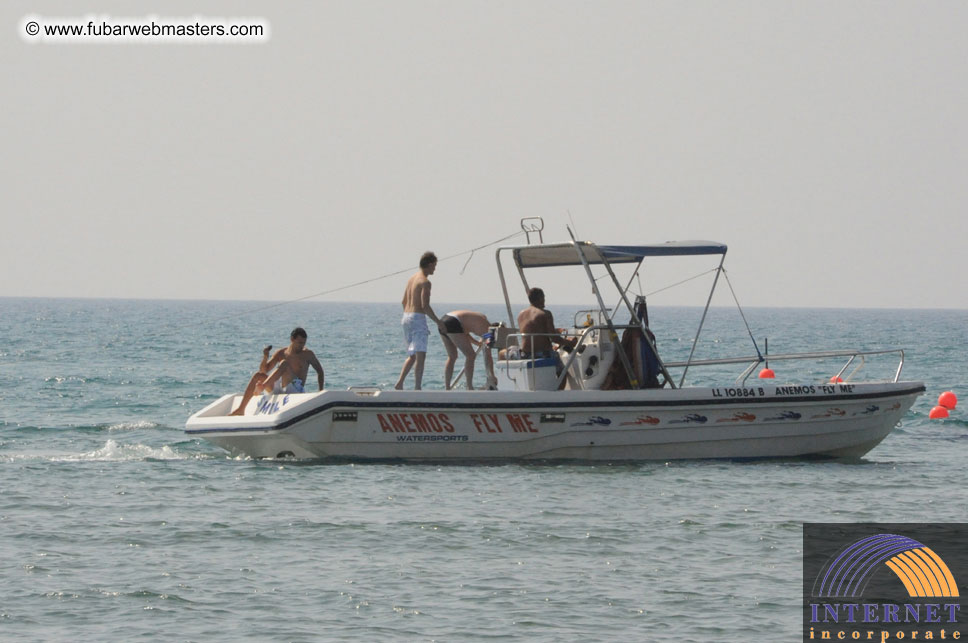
(743, 315)
(260, 309)
(678, 283)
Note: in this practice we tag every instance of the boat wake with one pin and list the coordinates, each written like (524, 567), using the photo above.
(137, 425)
(112, 451)
(133, 426)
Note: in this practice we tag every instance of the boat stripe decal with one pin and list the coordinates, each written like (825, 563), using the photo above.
(373, 404)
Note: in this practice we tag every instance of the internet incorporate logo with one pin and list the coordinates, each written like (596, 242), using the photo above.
(885, 584)
(922, 571)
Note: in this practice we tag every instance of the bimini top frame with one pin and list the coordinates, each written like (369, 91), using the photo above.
(587, 254)
(567, 254)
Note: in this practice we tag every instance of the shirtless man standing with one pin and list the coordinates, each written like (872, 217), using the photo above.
(458, 326)
(416, 310)
(292, 366)
(535, 319)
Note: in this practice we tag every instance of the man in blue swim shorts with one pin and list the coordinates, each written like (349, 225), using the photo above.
(416, 310)
(291, 366)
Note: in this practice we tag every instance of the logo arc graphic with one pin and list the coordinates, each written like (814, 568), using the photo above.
(920, 569)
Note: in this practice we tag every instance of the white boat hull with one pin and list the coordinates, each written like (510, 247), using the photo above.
(762, 421)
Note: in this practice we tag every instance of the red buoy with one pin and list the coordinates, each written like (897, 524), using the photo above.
(836, 379)
(767, 373)
(948, 400)
(938, 413)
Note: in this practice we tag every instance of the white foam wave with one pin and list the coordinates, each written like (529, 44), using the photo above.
(114, 452)
(132, 426)
(60, 379)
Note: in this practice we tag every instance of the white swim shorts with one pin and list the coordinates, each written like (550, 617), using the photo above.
(415, 332)
(295, 386)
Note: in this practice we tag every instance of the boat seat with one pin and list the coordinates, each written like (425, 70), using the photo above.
(527, 374)
(536, 363)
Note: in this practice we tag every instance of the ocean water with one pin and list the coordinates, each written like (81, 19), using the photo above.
(115, 526)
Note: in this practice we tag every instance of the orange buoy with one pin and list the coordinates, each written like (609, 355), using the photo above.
(767, 373)
(836, 379)
(948, 400)
(938, 413)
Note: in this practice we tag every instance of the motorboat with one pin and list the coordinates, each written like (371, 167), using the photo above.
(610, 397)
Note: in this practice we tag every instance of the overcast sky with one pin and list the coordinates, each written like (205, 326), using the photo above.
(824, 142)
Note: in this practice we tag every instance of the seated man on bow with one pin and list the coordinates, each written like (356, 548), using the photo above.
(291, 366)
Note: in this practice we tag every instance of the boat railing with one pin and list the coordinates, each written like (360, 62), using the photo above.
(856, 359)
(755, 360)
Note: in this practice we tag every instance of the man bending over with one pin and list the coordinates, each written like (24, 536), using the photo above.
(456, 335)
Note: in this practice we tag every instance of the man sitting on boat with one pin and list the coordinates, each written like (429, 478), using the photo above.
(538, 327)
(456, 334)
(291, 366)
